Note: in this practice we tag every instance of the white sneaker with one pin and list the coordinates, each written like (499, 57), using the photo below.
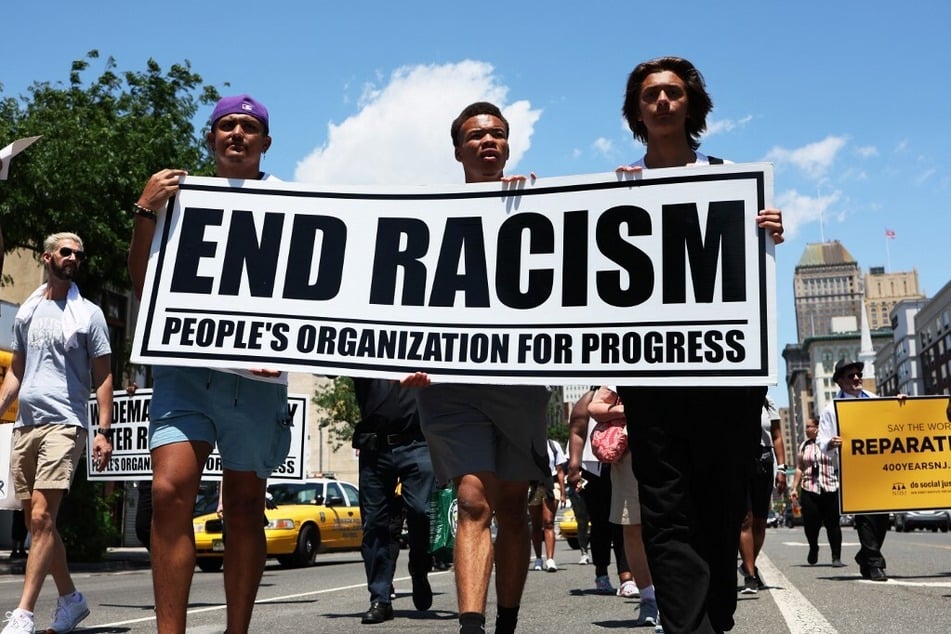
(551, 566)
(68, 614)
(628, 590)
(18, 622)
(538, 564)
(585, 559)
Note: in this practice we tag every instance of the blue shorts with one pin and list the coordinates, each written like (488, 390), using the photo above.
(249, 420)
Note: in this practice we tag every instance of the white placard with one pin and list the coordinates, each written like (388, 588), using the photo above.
(131, 459)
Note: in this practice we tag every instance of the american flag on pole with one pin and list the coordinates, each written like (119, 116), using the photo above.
(889, 234)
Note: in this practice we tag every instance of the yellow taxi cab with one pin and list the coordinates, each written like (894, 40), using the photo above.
(308, 517)
(568, 527)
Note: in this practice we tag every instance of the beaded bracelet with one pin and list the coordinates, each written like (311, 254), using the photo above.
(143, 211)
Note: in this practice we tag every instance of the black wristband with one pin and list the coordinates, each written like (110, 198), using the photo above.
(108, 432)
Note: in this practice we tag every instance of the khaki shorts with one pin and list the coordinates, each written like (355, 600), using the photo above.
(625, 502)
(45, 457)
(541, 490)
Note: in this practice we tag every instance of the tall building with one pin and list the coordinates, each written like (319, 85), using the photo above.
(933, 325)
(896, 366)
(841, 314)
(799, 386)
(827, 284)
(884, 290)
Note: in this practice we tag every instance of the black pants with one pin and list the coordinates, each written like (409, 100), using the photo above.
(603, 534)
(822, 509)
(379, 472)
(693, 450)
(872, 530)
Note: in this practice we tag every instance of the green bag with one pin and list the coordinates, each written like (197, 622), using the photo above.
(442, 523)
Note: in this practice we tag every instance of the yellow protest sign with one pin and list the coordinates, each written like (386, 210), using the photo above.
(9, 416)
(895, 456)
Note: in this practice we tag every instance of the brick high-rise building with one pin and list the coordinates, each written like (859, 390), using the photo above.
(827, 284)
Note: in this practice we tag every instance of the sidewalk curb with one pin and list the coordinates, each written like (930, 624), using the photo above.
(115, 560)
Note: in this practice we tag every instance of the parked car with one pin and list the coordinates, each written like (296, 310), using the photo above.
(309, 517)
(935, 520)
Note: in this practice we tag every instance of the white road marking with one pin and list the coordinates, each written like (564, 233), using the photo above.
(806, 544)
(213, 608)
(800, 615)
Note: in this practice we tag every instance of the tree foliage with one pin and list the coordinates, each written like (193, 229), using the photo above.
(101, 141)
(85, 520)
(339, 410)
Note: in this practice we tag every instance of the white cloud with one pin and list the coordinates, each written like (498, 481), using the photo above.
(400, 135)
(800, 210)
(867, 151)
(603, 146)
(926, 175)
(719, 126)
(901, 147)
(814, 159)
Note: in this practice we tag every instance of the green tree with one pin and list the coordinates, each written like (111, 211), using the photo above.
(339, 412)
(101, 141)
(85, 520)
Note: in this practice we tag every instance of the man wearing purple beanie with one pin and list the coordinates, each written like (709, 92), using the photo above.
(244, 411)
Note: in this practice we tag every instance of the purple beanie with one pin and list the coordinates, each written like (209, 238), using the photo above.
(240, 104)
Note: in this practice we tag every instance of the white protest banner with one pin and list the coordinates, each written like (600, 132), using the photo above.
(130, 441)
(659, 278)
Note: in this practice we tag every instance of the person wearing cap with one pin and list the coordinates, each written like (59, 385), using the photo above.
(244, 411)
(873, 527)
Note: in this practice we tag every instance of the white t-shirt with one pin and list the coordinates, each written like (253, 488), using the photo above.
(702, 159)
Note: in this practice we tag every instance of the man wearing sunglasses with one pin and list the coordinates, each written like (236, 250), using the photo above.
(871, 528)
(61, 353)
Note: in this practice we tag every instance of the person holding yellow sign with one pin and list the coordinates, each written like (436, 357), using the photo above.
(871, 527)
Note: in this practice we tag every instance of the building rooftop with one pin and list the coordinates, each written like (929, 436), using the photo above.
(825, 254)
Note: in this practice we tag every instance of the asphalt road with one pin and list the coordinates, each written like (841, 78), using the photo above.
(331, 596)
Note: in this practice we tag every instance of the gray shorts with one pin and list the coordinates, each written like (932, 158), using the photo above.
(495, 428)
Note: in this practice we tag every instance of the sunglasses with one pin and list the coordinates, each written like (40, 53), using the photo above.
(854, 375)
(66, 252)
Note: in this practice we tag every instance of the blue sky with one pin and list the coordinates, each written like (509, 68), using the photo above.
(847, 99)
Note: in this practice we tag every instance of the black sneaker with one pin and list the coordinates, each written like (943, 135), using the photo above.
(750, 585)
(813, 555)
